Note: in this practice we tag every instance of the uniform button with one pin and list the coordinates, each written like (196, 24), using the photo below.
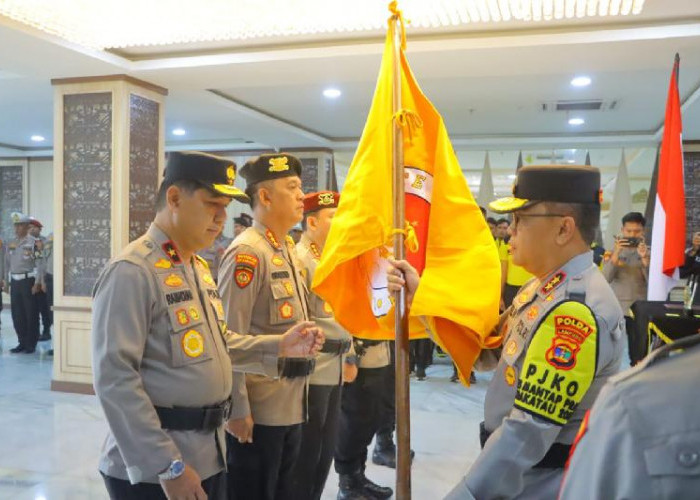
(688, 458)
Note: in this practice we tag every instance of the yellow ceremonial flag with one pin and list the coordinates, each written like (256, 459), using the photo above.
(448, 240)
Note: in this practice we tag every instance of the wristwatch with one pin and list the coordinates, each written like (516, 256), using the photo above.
(175, 470)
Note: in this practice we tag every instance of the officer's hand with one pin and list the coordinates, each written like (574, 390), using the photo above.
(43, 288)
(303, 339)
(402, 274)
(186, 487)
(696, 242)
(349, 373)
(241, 429)
(36, 289)
(643, 250)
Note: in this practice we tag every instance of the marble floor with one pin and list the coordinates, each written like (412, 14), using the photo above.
(50, 441)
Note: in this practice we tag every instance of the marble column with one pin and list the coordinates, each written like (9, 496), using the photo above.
(108, 160)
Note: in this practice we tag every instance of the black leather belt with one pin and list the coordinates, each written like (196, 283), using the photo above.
(296, 367)
(208, 418)
(555, 458)
(336, 346)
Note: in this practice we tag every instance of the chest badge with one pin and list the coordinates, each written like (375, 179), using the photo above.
(277, 260)
(182, 318)
(193, 344)
(509, 375)
(194, 313)
(288, 287)
(286, 310)
(162, 264)
(533, 312)
(173, 281)
(512, 347)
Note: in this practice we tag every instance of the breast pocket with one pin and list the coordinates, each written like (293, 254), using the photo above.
(283, 307)
(190, 340)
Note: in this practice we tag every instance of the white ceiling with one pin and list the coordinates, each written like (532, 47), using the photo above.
(488, 82)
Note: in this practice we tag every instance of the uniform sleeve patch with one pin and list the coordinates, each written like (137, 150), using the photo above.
(560, 363)
(246, 258)
(243, 275)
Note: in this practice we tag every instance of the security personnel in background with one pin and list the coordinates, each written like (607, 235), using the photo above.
(48, 282)
(335, 364)
(41, 297)
(24, 272)
(360, 417)
(241, 223)
(562, 337)
(641, 438)
(215, 252)
(2, 275)
(162, 352)
(263, 291)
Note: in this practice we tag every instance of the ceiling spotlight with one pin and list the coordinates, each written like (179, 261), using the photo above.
(332, 93)
(179, 131)
(576, 121)
(571, 161)
(581, 81)
(38, 138)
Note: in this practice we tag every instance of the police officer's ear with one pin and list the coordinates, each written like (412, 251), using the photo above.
(567, 230)
(264, 194)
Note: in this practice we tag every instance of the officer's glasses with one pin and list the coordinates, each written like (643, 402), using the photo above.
(518, 217)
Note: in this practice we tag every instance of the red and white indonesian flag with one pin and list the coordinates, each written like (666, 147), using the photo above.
(668, 232)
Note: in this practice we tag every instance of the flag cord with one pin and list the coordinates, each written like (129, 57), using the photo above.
(408, 120)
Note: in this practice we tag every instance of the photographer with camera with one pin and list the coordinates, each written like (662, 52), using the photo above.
(627, 267)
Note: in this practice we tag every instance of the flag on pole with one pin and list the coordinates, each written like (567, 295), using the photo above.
(668, 232)
(448, 241)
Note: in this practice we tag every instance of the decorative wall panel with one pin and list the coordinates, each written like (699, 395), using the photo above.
(691, 166)
(87, 159)
(10, 199)
(143, 163)
(309, 175)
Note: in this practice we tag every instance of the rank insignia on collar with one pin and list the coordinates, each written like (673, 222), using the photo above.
(553, 282)
(193, 344)
(272, 240)
(173, 281)
(277, 260)
(182, 318)
(314, 251)
(279, 164)
(163, 264)
(171, 251)
(286, 310)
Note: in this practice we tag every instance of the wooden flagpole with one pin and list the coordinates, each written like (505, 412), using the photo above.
(403, 416)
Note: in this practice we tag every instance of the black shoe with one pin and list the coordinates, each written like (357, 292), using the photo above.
(420, 373)
(374, 489)
(50, 352)
(454, 378)
(45, 336)
(30, 351)
(351, 487)
(384, 452)
(472, 378)
(17, 349)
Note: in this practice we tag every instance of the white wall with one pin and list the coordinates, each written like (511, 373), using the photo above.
(40, 192)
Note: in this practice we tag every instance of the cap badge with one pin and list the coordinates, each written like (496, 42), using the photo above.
(326, 199)
(230, 175)
(279, 164)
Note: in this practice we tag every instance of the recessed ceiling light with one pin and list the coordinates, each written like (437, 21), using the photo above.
(576, 121)
(179, 131)
(581, 81)
(38, 138)
(571, 161)
(332, 93)
(512, 176)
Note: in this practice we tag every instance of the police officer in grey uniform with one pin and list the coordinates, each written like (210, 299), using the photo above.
(641, 439)
(335, 364)
(24, 272)
(162, 352)
(263, 292)
(360, 417)
(41, 297)
(2, 275)
(561, 337)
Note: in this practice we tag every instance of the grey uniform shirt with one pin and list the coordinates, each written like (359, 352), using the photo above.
(541, 365)
(329, 366)
(642, 438)
(215, 252)
(48, 253)
(628, 279)
(25, 256)
(159, 338)
(263, 292)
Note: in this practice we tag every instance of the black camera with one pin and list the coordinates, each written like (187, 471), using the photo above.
(633, 242)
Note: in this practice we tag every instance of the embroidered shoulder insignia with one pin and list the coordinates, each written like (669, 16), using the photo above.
(272, 240)
(171, 251)
(553, 282)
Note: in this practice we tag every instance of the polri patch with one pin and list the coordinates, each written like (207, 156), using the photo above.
(193, 344)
